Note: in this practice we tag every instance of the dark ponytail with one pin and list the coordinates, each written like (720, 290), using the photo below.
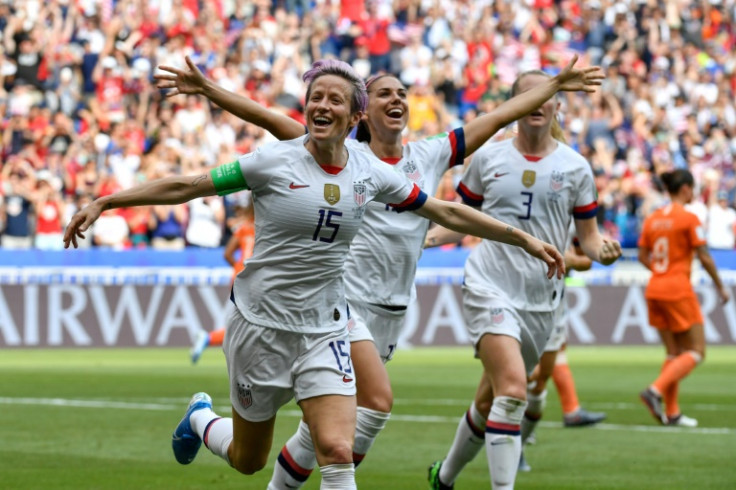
(363, 134)
(674, 180)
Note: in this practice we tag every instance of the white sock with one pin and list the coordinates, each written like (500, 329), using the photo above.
(368, 425)
(469, 439)
(295, 461)
(534, 411)
(216, 432)
(338, 477)
(503, 440)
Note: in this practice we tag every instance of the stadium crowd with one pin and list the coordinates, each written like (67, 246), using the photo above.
(82, 117)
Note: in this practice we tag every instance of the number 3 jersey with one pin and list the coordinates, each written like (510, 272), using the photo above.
(539, 196)
(305, 219)
(382, 262)
(671, 234)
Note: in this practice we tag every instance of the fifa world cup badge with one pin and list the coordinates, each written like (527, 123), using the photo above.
(528, 178)
(332, 194)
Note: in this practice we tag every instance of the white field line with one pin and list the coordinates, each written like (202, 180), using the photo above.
(64, 402)
(449, 402)
(708, 407)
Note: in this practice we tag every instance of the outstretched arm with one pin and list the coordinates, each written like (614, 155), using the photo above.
(439, 235)
(191, 81)
(467, 220)
(480, 129)
(171, 190)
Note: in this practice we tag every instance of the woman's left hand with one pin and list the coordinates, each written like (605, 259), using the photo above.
(587, 79)
(610, 252)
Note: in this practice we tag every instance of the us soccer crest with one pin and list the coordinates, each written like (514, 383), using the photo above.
(497, 315)
(359, 193)
(332, 194)
(245, 397)
(556, 181)
(411, 171)
(528, 178)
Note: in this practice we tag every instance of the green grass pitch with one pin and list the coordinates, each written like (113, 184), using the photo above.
(102, 419)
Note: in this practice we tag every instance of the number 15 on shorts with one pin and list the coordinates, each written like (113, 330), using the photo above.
(341, 357)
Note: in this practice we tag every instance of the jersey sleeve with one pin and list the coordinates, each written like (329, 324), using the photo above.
(586, 200)
(396, 189)
(470, 187)
(249, 171)
(696, 232)
(453, 148)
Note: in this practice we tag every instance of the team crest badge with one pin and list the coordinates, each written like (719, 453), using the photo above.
(245, 397)
(411, 171)
(528, 178)
(332, 194)
(556, 181)
(359, 192)
(496, 315)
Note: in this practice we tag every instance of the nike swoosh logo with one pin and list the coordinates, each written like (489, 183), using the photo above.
(500, 174)
(345, 379)
(297, 186)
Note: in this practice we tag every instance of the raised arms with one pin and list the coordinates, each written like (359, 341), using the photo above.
(479, 130)
(191, 81)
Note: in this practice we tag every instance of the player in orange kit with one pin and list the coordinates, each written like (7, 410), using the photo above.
(669, 239)
(242, 240)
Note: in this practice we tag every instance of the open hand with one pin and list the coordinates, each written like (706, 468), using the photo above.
(80, 222)
(584, 79)
(188, 81)
(549, 254)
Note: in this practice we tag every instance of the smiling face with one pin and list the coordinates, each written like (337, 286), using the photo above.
(539, 120)
(328, 108)
(388, 109)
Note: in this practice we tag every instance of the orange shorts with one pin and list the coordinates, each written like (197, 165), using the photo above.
(675, 316)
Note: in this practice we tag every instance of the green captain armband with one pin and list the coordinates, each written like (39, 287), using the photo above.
(228, 178)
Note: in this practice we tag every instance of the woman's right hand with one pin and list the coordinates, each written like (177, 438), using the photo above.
(188, 81)
(80, 222)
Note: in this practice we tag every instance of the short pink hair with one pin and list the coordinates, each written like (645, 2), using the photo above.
(359, 100)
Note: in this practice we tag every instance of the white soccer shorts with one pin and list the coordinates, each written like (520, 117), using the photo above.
(486, 313)
(267, 367)
(378, 324)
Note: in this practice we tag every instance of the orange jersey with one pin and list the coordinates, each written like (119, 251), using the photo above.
(671, 234)
(246, 234)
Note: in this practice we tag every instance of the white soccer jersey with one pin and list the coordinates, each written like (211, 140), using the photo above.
(383, 257)
(305, 219)
(540, 197)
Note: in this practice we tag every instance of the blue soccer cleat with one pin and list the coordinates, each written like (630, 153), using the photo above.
(185, 442)
(200, 344)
